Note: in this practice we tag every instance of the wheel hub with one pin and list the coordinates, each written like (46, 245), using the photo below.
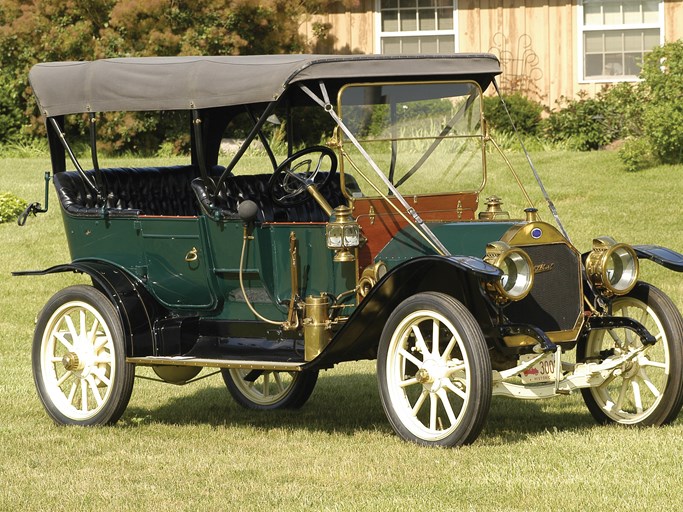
(630, 370)
(432, 374)
(72, 362)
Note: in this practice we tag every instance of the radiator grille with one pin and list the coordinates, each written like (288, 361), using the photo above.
(554, 303)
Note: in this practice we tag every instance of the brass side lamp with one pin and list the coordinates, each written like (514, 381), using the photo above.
(342, 233)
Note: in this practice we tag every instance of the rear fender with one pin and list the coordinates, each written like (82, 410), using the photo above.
(458, 276)
(137, 309)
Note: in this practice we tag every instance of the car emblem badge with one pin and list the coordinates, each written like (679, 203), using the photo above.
(536, 233)
(543, 267)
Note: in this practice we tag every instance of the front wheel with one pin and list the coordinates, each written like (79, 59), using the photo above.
(267, 390)
(434, 371)
(649, 389)
(79, 360)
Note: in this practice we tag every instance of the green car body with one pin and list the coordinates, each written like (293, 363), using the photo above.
(374, 245)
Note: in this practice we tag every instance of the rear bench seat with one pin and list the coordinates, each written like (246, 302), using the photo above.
(171, 191)
(130, 191)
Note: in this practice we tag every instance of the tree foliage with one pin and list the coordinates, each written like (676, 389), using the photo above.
(34, 31)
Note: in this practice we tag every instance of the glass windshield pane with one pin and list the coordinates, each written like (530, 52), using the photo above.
(425, 138)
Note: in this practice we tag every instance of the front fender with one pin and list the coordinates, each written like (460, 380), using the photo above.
(457, 276)
(663, 256)
(136, 307)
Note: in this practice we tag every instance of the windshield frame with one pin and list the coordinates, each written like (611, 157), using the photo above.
(481, 136)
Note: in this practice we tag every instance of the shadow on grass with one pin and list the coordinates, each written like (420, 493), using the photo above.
(348, 404)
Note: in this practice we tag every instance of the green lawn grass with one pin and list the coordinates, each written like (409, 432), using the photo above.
(192, 448)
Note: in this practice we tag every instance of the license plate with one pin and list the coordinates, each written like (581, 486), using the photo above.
(542, 371)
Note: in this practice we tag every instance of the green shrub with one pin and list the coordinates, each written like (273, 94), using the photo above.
(525, 113)
(662, 89)
(585, 123)
(636, 154)
(10, 207)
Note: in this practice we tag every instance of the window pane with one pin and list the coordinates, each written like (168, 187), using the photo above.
(651, 12)
(389, 4)
(633, 62)
(613, 64)
(446, 44)
(592, 14)
(632, 13)
(593, 66)
(445, 17)
(613, 42)
(391, 46)
(410, 45)
(651, 38)
(427, 21)
(390, 21)
(429, 45)
(633, 41)
(593, 42)
(408, 20)
(407, 4)
(425, 3)
(613, 13)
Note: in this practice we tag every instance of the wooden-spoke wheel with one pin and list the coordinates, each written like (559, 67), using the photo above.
(266, 390)
(434, 371)
(647, 390)
(79, 361)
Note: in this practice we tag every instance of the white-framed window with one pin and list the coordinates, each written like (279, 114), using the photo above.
(615, 35)
(416, 26)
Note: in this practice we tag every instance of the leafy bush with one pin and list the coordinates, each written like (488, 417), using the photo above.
(585, 123)
(525, 113)
(10, 207)
(662, 89)
(636, 154)
(56, 30)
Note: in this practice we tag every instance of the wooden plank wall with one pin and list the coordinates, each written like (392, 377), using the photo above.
(536, 40)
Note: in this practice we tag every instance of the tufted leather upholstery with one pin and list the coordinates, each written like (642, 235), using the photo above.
(167, 191)
(236, 189)
(131, 191)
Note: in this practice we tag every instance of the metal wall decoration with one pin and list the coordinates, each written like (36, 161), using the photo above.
(520, 64)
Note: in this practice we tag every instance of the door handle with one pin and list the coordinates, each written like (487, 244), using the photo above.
(192, 255)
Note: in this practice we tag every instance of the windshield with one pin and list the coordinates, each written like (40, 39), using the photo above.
(427, 138)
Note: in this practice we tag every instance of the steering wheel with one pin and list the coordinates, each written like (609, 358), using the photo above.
(288, 185)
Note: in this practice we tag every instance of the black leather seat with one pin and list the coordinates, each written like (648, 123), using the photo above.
(131, 191)
(236, 189)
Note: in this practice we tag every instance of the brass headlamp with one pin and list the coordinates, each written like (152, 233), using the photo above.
(612, 267)
(342, 233)
(518, 272)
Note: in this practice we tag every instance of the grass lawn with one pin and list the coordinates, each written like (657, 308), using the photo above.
(192, 448)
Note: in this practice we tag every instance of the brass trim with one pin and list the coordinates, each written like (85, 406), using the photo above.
(215, 363)
(496, 253)
(317, 332)
(292, 317)
(320, 199)
(522, 235)
(481, 136)
(192, 255)
(596, 265)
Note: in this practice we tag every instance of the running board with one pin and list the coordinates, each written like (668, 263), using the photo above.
(216, 363)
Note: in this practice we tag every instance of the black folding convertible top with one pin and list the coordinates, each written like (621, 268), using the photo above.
(187, 83)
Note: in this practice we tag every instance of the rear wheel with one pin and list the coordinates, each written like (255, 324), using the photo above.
(649, 389)
(268, 390)
(434, 371)
(79, 360)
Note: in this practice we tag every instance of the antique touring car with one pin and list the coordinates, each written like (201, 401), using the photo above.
(377, 243)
